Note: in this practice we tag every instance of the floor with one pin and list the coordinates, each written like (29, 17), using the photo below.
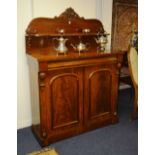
(118, 139)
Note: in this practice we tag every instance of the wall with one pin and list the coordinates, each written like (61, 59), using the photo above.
(28, 9)
(24, 16)
(55, 7)
(106, 18)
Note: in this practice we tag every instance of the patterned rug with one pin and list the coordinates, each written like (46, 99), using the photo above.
(45, 151)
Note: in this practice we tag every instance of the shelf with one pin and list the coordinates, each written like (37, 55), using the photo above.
(67, 34)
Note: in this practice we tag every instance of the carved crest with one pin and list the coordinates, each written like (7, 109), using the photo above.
(69, 13)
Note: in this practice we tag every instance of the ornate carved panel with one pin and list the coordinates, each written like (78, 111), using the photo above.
(125, 20)
(70, 14)
(99, 93)
(64, 99)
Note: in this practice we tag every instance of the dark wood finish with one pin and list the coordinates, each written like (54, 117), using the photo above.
(77, 92)
(124, 20)
(98, 89)
(41, 31)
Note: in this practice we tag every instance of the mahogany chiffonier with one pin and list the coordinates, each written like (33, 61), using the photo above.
(74, 88)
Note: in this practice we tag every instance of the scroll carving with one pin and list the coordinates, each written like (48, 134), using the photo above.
(69, 13)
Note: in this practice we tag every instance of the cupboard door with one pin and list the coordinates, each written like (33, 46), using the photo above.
(64, 101)
(98, 96)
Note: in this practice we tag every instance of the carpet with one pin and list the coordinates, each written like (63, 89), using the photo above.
(117, 139)
(45, 151)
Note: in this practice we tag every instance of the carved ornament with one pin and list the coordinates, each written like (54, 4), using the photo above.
(69, 13)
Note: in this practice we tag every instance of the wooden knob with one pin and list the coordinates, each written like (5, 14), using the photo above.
(42, 75)
(119, 65)
(115, 113)
(44, 134)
